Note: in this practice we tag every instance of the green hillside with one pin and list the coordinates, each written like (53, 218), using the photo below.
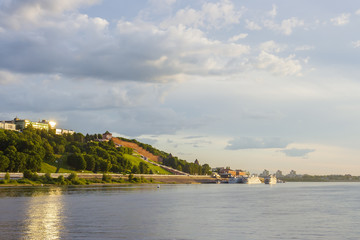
(42, 151)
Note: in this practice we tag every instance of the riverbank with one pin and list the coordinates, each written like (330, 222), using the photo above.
(98, 178)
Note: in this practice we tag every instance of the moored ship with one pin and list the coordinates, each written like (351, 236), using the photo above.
(250, 180)
(270, 180)
(234, 180)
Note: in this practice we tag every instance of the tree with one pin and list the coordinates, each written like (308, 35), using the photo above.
(90, 162)
(143, 168)
(4, 162)
(206, 170)
(77, 161)
(135, 169)
(104, 165)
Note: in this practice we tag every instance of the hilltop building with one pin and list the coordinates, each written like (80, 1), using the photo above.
(7, 125)
(107, 136)
(21, 124)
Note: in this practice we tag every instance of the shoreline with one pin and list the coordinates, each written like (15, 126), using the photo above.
(150, 178)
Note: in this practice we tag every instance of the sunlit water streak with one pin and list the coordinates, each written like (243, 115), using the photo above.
(44, 219)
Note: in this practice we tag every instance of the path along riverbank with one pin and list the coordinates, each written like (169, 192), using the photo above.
(177, 179)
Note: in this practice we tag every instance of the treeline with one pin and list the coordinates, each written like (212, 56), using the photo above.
(26, 150)
(322, 178)
(182, 165)
(174, 162)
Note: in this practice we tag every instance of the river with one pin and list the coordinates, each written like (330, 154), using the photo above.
(207, 211)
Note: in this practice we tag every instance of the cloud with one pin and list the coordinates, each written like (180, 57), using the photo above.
(8, 78)
(23, 14)
(81, 47)
(304, 48)
(341, 20)
(211, 15)
(273, 11)
(355, 44)
(238, 37)
(357, 12)
(272, 47)
(252, 25)
(286, 26)
(256, 143)
(277, 65)
(193, 137)
(296, 152)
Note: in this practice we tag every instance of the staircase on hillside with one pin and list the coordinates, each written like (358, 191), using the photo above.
(146, 155)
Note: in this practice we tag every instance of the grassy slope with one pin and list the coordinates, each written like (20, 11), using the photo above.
(136, 160)
(47, 168)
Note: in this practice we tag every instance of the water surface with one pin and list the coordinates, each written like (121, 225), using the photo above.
(209, 211)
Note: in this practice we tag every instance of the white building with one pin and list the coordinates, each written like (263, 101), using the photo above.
(7, 126)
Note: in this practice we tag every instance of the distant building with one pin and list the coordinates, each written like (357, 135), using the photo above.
(226, 173)
(21, 124)
(265, 173)
(197, 162)
(60, 131)
(240, 172)
(278, 174)
(7, 125)
(292, 174)
(217, 169)
(107, 136)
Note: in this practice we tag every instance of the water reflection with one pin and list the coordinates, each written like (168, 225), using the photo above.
(44, 218)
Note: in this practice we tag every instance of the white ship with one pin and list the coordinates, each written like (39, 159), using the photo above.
(270, 180)
(250, 180)
(234, 180)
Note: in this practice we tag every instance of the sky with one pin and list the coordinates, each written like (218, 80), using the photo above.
(252, 85)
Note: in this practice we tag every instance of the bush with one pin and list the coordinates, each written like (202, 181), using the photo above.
(7, 176)
(106, 177)
(73, 177)
(35, 177)
(27, 174)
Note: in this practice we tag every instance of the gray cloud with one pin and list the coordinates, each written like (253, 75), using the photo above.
(296, 152)
(253, 143)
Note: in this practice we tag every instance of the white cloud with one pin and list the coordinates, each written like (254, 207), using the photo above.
(341, 20)
(273, 11)
(256, 143)
(304, 48)
(356, 44)
(272, 47)
(357, 12)
(296, 152)
(238, 37)
(21, 14)
(211, 15)
(252, 25)
(279, 66)
(8, 78)
(286, 26)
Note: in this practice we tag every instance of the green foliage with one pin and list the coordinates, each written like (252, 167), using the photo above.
(27, 174)
(73, 177)
(4, 162)
(106, 177)
(32, 148)
(7, 176)
(77, 161)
